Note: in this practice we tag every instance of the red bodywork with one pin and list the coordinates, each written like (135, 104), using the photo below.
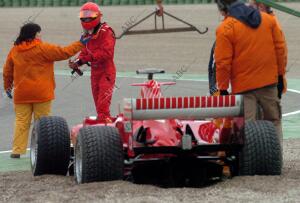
(143, 134)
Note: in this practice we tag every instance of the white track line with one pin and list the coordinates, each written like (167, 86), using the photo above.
(293, 112)
(9, 151)
(295, 91)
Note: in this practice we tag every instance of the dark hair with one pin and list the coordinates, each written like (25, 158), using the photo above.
(27, 33)
(224, 4)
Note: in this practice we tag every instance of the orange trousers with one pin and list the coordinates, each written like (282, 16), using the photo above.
(23, 119)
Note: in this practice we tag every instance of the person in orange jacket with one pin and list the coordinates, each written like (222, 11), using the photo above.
(250, 56)
(282, 86)
(29, 73)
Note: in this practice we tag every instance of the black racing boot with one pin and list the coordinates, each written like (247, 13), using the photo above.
(15, 156)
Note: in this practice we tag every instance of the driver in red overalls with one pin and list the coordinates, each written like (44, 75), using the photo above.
(99, 52)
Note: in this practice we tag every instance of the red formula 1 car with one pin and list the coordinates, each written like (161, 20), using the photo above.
(181, 140)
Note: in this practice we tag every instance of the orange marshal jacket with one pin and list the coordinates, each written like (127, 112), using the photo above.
(285, 50)
(29, 70)
(249, 58)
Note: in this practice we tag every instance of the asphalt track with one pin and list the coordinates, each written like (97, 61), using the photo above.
(74, 102)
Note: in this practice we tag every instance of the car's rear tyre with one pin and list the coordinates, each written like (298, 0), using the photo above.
(98, 155)
(50, 146)
(261, 154)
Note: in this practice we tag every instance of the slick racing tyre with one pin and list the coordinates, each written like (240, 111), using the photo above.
(50, 146)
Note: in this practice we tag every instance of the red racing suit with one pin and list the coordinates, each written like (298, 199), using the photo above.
(99, 51)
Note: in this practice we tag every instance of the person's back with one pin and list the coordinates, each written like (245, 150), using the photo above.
(251, 51)
(34, 71)
(250, 55)
(29, 73)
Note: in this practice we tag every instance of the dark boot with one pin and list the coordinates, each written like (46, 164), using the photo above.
(15, 156)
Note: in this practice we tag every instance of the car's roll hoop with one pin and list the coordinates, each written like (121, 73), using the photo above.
(186, 108)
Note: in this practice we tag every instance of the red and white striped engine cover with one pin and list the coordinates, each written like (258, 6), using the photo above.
(197, 107)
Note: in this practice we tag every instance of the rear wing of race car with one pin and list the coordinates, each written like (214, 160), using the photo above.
(185, 108)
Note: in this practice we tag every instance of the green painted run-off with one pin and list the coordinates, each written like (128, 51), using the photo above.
(9, 164)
